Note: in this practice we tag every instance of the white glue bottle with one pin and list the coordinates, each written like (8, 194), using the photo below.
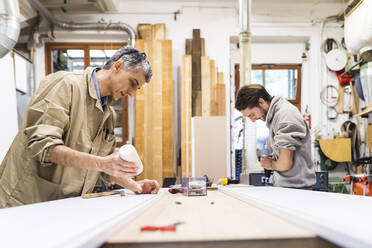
(129, 153)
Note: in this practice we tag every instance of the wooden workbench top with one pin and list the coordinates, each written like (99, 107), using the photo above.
(215, 217)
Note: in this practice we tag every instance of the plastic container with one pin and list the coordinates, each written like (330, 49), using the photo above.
(129, 153)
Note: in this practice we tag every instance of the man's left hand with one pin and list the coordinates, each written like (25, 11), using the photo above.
(149, 186)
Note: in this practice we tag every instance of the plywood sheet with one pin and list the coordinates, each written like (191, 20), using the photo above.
(209, 146)
(186, 116)
(213, 217)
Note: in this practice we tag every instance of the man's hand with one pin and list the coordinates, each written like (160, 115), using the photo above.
(284, 163)
(149, 186)
(141, 187)
(267, 162)
(116, 167)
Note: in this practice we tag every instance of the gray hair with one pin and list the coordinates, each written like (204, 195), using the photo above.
(133, 59)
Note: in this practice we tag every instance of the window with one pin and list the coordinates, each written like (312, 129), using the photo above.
(279, 80)
(78, 56)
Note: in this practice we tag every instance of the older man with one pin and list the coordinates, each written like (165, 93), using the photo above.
(290, 138)
(66, 142)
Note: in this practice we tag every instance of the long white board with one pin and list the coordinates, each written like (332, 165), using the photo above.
(342, 219)
(72, 222)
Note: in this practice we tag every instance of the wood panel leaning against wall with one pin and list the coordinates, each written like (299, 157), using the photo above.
(154, 106)
(207, 97)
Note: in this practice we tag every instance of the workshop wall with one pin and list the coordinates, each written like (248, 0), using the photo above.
(217, 20)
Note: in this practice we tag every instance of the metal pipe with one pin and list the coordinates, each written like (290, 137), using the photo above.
(96, 26)
(84, 26)
(249, 157)
(9, 26)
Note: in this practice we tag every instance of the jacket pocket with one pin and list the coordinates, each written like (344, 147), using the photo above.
(34, 189)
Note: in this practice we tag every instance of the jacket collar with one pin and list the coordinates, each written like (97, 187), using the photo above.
(272, 109)
(92, 91)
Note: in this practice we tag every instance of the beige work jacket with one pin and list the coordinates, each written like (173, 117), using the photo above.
(64, 110)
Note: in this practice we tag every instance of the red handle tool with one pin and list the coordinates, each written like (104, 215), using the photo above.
(170, 228)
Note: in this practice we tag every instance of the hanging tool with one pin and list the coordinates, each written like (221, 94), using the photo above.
(170, 228)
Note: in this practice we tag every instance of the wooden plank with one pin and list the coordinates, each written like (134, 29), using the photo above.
(188, 46)
(196, 103)
(167, 110)
(213, 100)
(144, 31)
(158, 31)
(139, 140)
(369, 136)
(209, 218)
(156, 108)
(186, 90)
(220, 95)
(206, 85)
(196, 73)
(202, 47)
(148, 117)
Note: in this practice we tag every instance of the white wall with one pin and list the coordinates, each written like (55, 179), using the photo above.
(8, 108)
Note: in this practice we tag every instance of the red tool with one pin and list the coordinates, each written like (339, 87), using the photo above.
(360, 185)
(174, 190)
(343, 78)
(170, 228)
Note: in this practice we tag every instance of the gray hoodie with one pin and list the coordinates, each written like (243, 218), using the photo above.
(289, 130)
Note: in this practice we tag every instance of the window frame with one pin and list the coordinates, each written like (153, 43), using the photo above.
(298, 67)
(296, 102)
(87, 46)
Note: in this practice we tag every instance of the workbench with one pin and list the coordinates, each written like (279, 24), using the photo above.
(237, 216)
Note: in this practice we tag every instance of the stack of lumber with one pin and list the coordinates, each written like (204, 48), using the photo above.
(154, 105)
(202, 90)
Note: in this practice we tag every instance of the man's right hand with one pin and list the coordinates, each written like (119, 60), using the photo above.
(114, 166)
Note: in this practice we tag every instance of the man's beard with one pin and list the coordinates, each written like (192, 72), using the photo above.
(263, 112)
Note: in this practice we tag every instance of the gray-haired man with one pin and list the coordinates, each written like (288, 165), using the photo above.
(66, 141)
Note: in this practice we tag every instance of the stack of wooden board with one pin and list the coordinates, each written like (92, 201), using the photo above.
(202, 90)
(154, 105)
